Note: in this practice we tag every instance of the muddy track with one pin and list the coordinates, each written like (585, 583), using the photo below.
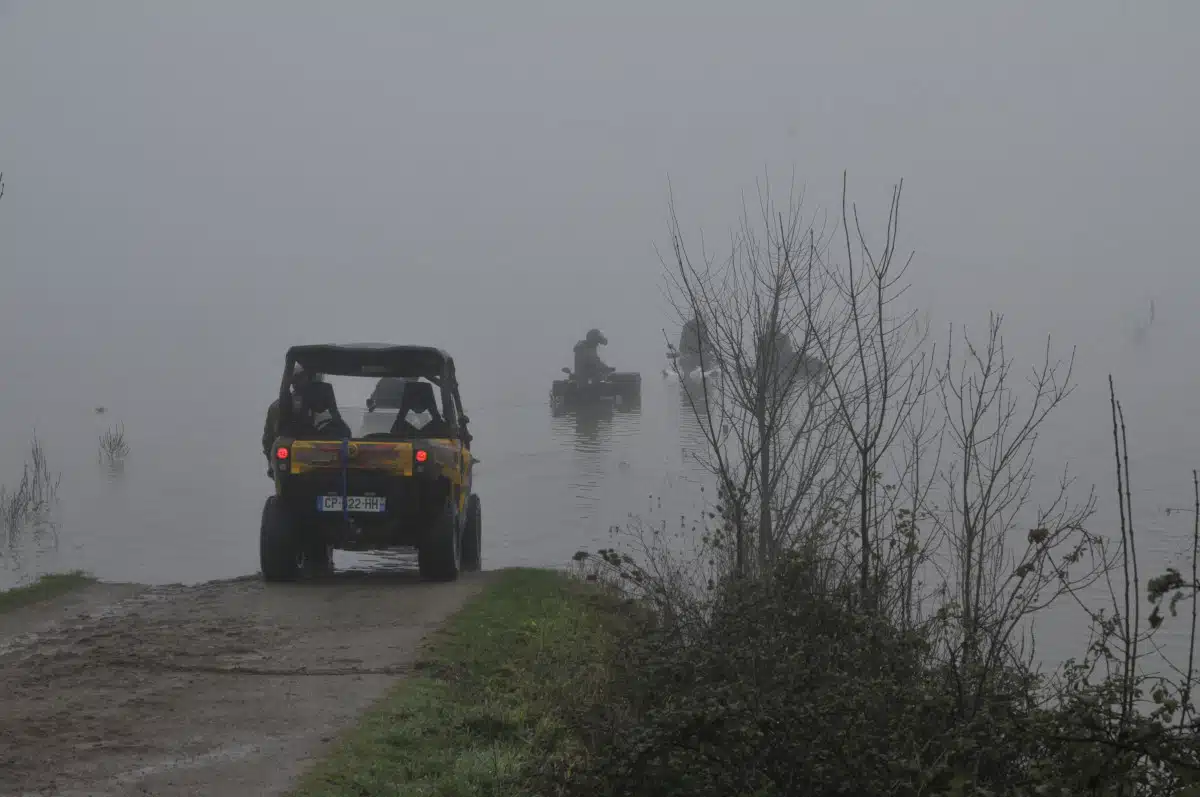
(228, 688)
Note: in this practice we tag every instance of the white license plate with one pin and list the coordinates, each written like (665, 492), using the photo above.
(358, 503)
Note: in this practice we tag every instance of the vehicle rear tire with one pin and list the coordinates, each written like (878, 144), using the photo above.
(472, 542)
(439, 556)
(280, 552)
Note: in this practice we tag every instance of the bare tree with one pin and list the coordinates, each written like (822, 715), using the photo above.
(771, 445)
(1123, 632)
(988, 485)
(1171, 582)
(819, 377)
(905, 554)
(879, 371)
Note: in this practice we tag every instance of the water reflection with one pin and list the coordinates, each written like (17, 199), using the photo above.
(693, 411)
(588, 424)
(632, 468)
(30, 549)
(400, 560)
(599, 435)
(114, 471)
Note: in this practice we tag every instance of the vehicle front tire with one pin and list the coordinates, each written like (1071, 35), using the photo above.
(280, 552)
(439, 556)
(472, 542)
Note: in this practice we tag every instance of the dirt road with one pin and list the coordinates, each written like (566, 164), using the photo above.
(227, 688)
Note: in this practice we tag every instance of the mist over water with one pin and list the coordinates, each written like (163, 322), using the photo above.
(193, 189)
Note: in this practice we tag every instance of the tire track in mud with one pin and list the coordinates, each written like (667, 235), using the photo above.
(223, 688)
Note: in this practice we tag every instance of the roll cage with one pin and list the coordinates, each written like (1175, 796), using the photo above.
(378, 360)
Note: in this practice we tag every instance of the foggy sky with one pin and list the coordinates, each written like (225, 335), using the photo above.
(194, 186)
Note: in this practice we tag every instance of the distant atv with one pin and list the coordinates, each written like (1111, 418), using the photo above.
(406, 484)
(623, 388)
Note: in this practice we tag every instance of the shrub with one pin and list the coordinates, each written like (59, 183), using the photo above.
(28, 505)
(788, 688)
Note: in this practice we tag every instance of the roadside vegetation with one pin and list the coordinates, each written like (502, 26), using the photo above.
(44, 589)
(857, 616)
(480, 711)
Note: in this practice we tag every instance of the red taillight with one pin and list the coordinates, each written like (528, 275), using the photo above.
(281, 452)
(422, 455)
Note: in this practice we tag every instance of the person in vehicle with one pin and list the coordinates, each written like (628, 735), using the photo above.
(271, 427)
(313, 408)
(388, 393)
(778, 355)
(791, 365)
(694, 348)
(588, 364)
(785, 350)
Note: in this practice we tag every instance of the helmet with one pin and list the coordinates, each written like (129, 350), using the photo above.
(596, 338)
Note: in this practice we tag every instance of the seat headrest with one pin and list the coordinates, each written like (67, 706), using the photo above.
(321, 391)
(419, 396)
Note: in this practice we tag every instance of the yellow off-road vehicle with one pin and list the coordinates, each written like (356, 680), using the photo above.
(402, 478)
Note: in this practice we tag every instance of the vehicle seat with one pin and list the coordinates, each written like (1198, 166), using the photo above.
(321, 400)
(418, 398)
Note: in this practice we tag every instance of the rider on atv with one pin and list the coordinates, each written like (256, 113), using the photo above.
(588, 365)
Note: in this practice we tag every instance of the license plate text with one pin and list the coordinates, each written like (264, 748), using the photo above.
(357, 503)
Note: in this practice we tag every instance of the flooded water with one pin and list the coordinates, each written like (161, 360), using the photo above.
(191, 392)
(184, 505)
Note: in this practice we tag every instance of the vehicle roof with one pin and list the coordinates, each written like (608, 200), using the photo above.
(372, 359)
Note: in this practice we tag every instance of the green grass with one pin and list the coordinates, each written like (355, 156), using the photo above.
(44, 589)
(479, 712)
